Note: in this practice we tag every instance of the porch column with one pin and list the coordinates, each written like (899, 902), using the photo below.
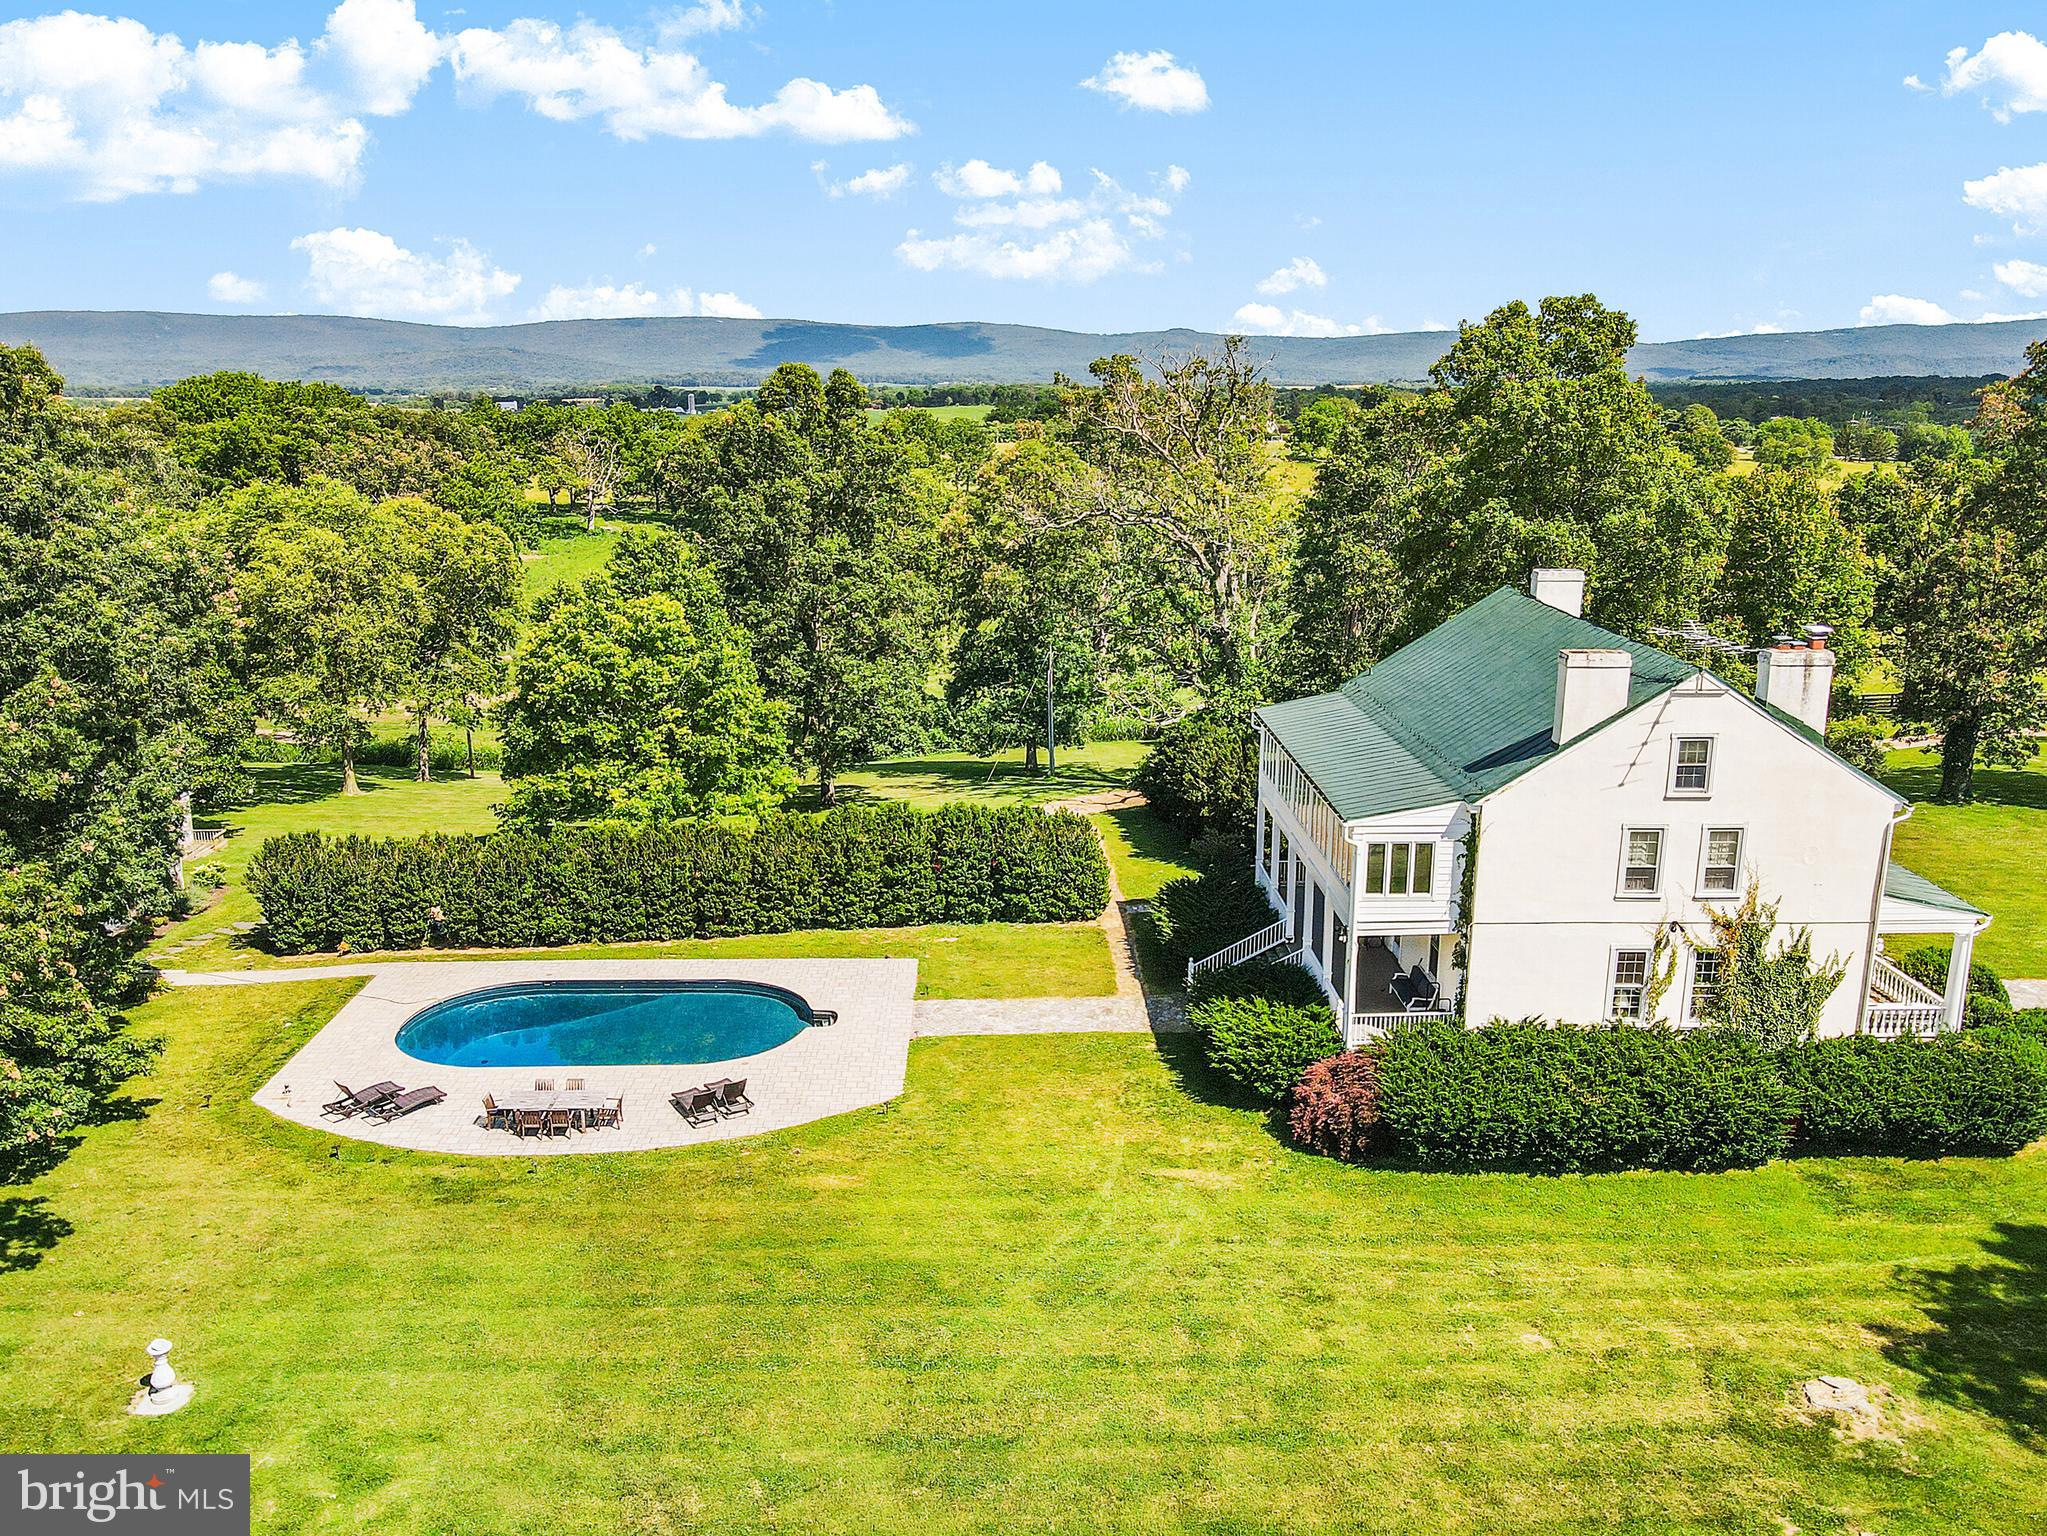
(1956, 999)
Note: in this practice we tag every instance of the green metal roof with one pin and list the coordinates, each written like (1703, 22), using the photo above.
(1456, 714)
(1902, 884)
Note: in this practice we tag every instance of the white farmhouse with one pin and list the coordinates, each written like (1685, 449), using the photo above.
(1583, 795)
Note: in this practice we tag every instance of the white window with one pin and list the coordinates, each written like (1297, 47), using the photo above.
(1691, 765)
(1641, 861)
(1705, 985)
(1720, 862)
(1400, 869)
(1627, 991)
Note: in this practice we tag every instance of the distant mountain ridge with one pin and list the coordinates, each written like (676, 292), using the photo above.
(131, 351)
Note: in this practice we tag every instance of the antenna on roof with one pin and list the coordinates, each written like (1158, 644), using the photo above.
(1695, 634)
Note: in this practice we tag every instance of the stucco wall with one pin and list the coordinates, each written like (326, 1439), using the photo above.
(1546, 913)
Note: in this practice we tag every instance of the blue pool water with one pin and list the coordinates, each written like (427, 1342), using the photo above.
(604, 1023)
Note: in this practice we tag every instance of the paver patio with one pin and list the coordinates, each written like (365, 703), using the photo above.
(826, 1070)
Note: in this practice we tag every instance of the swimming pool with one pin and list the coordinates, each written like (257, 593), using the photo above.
(604, 1023)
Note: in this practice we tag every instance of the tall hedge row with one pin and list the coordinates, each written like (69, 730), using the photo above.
(857, 867)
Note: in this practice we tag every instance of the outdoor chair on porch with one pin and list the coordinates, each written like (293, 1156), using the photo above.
(1415, 990)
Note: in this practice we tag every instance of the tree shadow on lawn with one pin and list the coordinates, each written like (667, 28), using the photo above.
(28, 1230)
(1985, 1343)
(2022, 787)
(968, 775)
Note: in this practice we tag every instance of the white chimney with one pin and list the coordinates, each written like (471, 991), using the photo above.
(1798, 678)
(1560, 587)
(1591, 686)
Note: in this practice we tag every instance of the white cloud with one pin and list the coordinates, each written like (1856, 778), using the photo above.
(883, 181)
(385, 49)
(1993, 318)
(364, 272)
(233, 288)
(977, 178)
(647, 249)
(589, 70)
(1153, 81)
(1301, 272)
(603, 301)
(1914, 83)
(708, 16)
(729, 306)
(1899, 309)
(2026, 277)
(2018, 193)
(2009, 70)
(1271, 320)
(109, 108)
(1057, 239)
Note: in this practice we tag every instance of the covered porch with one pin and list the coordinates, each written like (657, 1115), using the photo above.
(1897, 1003)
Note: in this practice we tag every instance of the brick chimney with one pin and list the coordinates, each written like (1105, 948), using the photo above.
(1797, 676)
(1592, 686)
(1561, 587)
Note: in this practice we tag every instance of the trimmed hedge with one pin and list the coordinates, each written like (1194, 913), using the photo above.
(1569, 1098)
(1284, 981)
(1196, 915)
(1202, 775)
(1983, 1091)
(1335, 1106)
(883, 866)
(1265, 1044)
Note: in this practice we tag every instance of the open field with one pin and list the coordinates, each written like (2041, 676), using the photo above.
(1992, 853)
(1062, 1285)
(572, 557)
(942, 412)
(998, 779)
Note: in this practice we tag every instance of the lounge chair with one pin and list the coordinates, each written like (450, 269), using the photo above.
(699, 1106)
(732, 1099)
(355, 1101)
(1414, 990)
(405, 1103)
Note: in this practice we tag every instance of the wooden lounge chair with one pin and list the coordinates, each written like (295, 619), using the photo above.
(732, 1099)
(355, 1101)
(405, 1103)
(699, 1106)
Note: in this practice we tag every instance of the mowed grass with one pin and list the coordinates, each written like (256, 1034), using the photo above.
(1993, 853)
(568, 559)
(999, 779)
(1061, 1285)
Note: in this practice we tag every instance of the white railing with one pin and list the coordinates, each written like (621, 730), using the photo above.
(1268, 937)
(1889, 1021)
(1892, 984)
(1367, 1026)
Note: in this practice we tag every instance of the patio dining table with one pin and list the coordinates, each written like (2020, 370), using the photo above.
(579, 1102)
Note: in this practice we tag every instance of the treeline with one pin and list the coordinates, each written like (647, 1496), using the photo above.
(1892, 401)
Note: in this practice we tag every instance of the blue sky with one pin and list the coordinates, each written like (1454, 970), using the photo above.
(1313, 167)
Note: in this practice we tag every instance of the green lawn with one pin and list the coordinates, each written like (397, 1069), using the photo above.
(1061, 1285)
(304, 797)
(554, 561)
(1992, 853)
(998, 779)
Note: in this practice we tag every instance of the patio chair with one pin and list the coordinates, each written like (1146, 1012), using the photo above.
(492, 1115)
(732, 1099)
(1414, 990)
(543, 1085)
(699, 1106)
(534, 1120)
(572, 1085)
(557, 1121)
(405, 1103)
(355, 1101)
(606, 1114)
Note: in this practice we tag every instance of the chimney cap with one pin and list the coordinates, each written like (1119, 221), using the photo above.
(1817, 635)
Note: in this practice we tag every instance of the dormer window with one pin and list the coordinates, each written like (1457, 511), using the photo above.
(1691, 765)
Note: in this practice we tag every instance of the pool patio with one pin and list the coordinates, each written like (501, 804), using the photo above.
(826, 1070)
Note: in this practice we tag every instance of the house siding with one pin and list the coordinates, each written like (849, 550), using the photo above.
(1546, 912)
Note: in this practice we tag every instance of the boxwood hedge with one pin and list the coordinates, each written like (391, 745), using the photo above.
(881, 866)
(1981, 1091)
(1565, 1098)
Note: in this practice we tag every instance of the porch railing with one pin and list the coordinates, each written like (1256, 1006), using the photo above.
(1892, 984)
(1268, 937)
(1890, 1021)
(1367, 1026)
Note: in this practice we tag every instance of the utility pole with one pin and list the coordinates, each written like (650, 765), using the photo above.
(1051, 752)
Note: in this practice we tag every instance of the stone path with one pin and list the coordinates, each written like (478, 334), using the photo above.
(2027, 994)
